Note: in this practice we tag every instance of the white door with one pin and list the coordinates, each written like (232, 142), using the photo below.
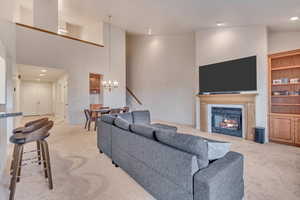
(45, 98)
(36, 98)
(29, 98)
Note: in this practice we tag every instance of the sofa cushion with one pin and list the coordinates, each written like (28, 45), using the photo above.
(127, 116)
(164, 126)
(163, 134)
(141, 117)
(143, 130)
(122, 123)
(108, 118)
(217, 149)
(187, 143)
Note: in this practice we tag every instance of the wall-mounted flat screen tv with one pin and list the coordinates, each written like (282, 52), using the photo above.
(230, 76)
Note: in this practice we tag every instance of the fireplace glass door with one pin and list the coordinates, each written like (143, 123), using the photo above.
(227, 121)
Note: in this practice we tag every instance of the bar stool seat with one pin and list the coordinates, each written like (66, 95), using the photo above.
(36, 132)
(19, 138)
(26, 129)
(21, 129)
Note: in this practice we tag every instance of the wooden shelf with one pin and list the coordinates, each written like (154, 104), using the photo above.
(285, 104)
(284, 96)
(284, 114)
(285, 54)
(285, 68)
(286, 84)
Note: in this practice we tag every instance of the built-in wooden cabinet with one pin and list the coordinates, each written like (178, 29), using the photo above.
(284, 97)
(95, 83)
(297, 131)
(282, 129)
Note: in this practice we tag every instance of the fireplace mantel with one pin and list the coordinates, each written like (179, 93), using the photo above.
(247, 100)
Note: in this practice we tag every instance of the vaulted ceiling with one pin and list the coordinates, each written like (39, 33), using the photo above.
(175, 16)
(178, 16)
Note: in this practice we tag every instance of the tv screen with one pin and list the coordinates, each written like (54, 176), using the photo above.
(231, 76)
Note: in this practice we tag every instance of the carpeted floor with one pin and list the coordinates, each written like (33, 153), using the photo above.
(272, 171)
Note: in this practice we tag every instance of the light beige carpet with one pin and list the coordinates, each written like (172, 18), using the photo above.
(272, 171)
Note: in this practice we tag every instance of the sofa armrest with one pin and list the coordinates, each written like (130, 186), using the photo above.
(104, 137)
(222, 179)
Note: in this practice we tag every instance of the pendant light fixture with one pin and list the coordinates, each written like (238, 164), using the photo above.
(110, 84)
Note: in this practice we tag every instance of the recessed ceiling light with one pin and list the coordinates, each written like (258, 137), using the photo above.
(294, 18)
(43, 70)
(221, 24)
(42, 74)
(149, 31)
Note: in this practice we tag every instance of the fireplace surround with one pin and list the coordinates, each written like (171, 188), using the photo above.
(244, 101)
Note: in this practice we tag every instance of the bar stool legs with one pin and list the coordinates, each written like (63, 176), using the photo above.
(16, 165)
(38, 145)
(38, 148)
(47, 161)
(44, 159)
(12, 161)
(20, 164)
(15, 172)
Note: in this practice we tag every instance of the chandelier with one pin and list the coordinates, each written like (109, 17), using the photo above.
(110, 84)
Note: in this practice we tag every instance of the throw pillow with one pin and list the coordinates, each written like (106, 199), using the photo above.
(217, 149)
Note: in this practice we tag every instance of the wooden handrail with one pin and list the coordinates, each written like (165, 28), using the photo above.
(60, 35)
(133, 95)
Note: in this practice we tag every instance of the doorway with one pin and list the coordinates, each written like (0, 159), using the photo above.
(36, 98)
(40, 93)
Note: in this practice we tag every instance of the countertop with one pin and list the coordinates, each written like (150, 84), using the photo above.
(10, 114)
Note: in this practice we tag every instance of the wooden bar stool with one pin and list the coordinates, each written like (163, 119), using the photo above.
(36, 132)
(22, 129)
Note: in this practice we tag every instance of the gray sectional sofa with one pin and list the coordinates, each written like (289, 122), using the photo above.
(169, 165)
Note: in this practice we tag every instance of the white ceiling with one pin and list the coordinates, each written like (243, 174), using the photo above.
(32, 73)
(177, 16)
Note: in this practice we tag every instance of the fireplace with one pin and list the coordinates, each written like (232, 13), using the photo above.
(226, 120)
(246, 102)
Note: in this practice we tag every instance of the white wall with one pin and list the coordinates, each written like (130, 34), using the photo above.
(7, 39)
(222, 44)
(87, 28)
(6, 10)
(283, 41)
(23, 12)
(45, 14)
(92, 32)
(2, 75)
(160, 72)
(78, 60)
